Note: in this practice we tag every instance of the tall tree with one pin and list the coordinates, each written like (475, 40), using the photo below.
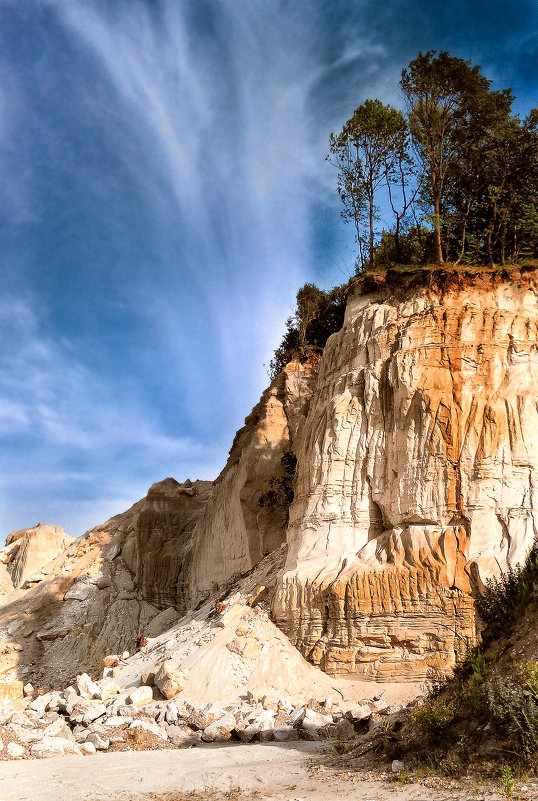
(511, 199)
(365, 152)
(440, 91)
(481, 136)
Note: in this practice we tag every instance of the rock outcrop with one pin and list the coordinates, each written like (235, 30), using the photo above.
(416, 473)
(27, 551)
(233, 534)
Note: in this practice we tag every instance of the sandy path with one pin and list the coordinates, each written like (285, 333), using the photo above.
(276, 771)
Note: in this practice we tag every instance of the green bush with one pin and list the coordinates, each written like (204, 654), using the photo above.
(280, 493)
(318, 315)
(434, 716)
(503, 595)
(513, 704)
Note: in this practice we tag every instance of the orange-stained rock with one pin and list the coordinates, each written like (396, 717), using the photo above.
(417, 471)
(11, 690)
(27, 551)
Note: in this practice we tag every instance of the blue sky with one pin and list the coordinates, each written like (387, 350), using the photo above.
(163, 195)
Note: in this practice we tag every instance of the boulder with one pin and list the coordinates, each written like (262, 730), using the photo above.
(117, 720)
(87, 688)
(315, 720)
(111, 661)
(204, 717)
(343, 730)
(360, 712)
(38, 705)
(97, 741)
(247, 647)
(95, 711)
(109, 689)
(20, 719)
(15, 751)
(140, 696)
(285, 733)
(230, 614)
(23, 734)
(58, 728)
(171, 714)
(145, 725)
(220, 730)
(54, 746)
(182, 736)
(148, 677)
(169, 680)
(261, 726)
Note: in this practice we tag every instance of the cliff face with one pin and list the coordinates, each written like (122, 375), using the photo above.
(416, 474)
(233, 534)
(417, 445)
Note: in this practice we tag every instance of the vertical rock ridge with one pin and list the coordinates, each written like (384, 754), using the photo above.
(416, 475)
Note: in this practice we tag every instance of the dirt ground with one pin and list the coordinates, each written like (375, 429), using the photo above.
(260, 772)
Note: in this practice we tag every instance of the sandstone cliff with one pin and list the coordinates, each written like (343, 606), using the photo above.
(416, 439)
(416, 473)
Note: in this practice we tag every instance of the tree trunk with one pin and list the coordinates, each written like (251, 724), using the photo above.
(489, 243)
(397, 240)
(437, 228)
(462, 251)
(371, 248)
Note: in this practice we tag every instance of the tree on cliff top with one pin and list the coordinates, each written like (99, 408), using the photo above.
(366, 152)
(473, 167)
(444, 94)
(317, 315)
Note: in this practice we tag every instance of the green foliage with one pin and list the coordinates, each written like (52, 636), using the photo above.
(507, 780)
(416, 247)
(370, 151)
(503, 595)
(512, 702)
(318, 315)
(434, 716)
(279, 496)
(460, 165)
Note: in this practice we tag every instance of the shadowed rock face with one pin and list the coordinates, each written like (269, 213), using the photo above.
(162, 535)
(233, 533)
(416, 475)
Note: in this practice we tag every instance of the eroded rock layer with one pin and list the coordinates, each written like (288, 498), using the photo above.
(416, 473)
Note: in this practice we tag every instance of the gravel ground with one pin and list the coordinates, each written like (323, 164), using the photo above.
(265, 772)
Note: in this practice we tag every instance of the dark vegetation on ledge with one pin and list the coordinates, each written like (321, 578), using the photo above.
(318, 314)
(279, 495)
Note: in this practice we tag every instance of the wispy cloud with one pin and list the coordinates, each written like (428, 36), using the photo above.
(62, 427)
(163, 193)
